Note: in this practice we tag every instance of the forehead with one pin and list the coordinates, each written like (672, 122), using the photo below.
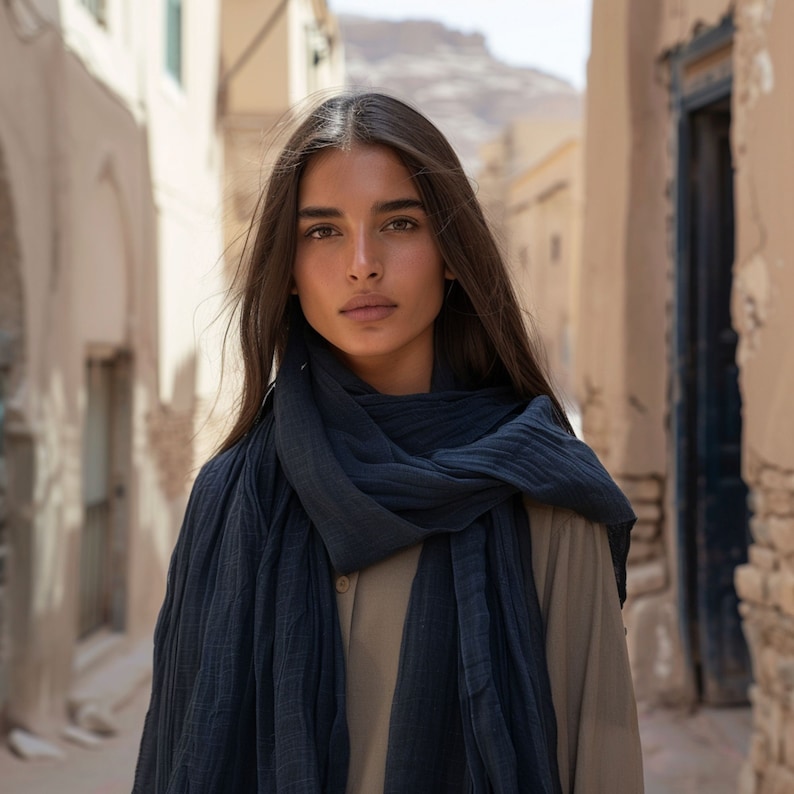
(362, 169)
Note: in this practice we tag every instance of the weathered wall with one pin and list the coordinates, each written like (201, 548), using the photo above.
(94, 195)
(244, 92)
(297, 44)
(621, 352)
(543, 228)
(762, 298)
(25, 135)
(628, 265)
(652, 613)
(530, 186)
(764, 271)
(73, 201)
(600, 382)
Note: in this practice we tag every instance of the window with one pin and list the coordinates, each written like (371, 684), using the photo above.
(173, 39)
(97, 9)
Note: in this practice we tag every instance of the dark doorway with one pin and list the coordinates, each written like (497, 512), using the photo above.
(712, 498)
(106, 449)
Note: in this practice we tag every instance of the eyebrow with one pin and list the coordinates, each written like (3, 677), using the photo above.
(395, 205)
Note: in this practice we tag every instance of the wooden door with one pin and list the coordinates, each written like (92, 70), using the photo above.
(716, 518)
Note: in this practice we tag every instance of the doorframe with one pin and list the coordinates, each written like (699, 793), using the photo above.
(701, 76)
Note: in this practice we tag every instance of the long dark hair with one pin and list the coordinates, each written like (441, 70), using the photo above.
(480, 328)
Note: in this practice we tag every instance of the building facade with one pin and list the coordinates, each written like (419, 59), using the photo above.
(277, 57)
(531, 185)
(119, 123)
(110, 261)
(684, 362)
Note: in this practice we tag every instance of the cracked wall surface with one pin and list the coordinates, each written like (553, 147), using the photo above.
(623, 370)
(763, 293)
(630, 260)
(766, 586)
(764, 268)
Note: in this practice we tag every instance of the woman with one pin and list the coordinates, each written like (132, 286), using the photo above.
(402, 572)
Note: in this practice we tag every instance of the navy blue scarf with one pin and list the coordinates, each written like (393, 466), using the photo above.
(248, 691)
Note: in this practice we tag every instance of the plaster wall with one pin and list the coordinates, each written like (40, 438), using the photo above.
(628, 213)
(544, 246)
(528, 142)
(641, 225)
(680, 20)
(186, 162)
(763, 289)
(177, 117)
(601, 387)
(108, 52)
(25, 124)
(115, 217)
(256, 114)
(42, 519)
(248, 92)
(764, 270)
(623, 370)
(161, 207)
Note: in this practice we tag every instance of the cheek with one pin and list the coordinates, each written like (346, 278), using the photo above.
(432, 290)
(301, 279)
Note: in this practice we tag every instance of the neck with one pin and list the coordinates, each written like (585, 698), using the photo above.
(390, 376)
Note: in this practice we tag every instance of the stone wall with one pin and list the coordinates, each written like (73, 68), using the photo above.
(763, 291)
(630, 241)
(650, 612)
(766, 586)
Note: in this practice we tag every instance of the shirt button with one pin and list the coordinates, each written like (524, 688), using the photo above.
(342, 584)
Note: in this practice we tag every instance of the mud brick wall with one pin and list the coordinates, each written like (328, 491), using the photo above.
(766, 586)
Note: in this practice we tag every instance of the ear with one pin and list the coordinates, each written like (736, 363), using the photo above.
(448, 274)
(294, 288)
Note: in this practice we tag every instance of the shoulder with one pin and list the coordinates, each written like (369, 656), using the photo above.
(221, 474)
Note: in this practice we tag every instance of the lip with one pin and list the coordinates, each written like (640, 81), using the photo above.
(369, 307)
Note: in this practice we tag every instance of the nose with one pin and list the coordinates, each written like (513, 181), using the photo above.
(365, 261)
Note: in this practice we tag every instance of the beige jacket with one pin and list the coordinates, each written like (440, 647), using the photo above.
(598, 745)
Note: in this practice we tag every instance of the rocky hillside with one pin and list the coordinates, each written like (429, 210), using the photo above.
(453, 78)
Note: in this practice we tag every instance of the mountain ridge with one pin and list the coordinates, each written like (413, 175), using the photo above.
(453, 78)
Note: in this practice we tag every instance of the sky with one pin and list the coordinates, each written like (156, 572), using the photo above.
(552, 35)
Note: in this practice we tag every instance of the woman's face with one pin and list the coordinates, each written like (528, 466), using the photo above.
(368, 272)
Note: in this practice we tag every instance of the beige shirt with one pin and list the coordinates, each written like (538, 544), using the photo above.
(598, 745)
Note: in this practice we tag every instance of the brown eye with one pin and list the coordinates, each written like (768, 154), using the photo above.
(401, 224)
(320, 232)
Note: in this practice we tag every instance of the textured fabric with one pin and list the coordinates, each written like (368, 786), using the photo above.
(598, 737)
(248, 690)
(372, 612)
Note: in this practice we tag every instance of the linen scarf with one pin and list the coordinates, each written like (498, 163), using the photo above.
(249, 685)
